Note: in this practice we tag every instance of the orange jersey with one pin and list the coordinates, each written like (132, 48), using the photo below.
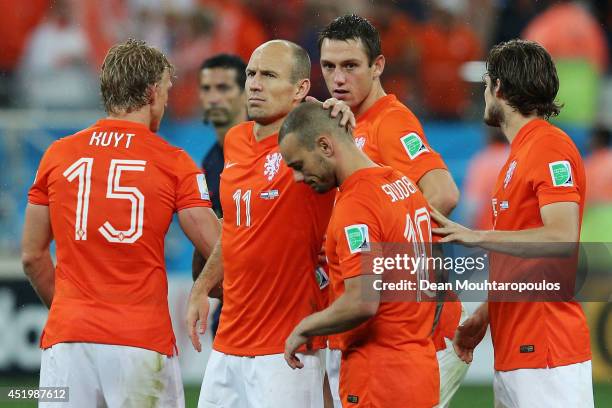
(111, 191)
(544, 167)
(391, 135)
(390, 360)
(273, 229)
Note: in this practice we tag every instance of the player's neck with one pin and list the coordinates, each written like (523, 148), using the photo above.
(351, 161)
(375, 94)
(138, 116)
(263, 131)
(514, 123)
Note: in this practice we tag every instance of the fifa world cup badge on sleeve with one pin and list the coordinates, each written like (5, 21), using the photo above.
(414, 145)
(561, 173)
(358, 238)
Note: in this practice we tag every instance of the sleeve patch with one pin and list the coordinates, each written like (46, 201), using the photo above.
(561, 173)
(414, 145)
(203, 187)
(358, 238)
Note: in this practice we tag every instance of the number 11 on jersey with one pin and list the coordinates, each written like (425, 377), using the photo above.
(246, 197)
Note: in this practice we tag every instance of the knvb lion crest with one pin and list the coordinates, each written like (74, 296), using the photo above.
(509, 173)
(272, 165)
(360, 142)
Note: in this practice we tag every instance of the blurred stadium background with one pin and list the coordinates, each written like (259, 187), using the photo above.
(51, 50)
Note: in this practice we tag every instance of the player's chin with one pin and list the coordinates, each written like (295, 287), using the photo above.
(320, 188)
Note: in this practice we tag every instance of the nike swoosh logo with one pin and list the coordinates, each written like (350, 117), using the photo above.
(230, 164)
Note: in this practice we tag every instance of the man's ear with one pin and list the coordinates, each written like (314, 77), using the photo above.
(325, 146)
(302, 89)
(152, 91)
(497, 88)
(379, 66)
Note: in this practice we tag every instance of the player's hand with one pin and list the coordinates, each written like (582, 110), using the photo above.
(468, 335)
(197, 315)
(293, 342)
(454, 232)
(337, 107)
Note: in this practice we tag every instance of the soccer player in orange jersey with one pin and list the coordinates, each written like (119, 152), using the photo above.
(390, 134)
(106, 195)
(542, 349)
(388, 356)
(272, 232)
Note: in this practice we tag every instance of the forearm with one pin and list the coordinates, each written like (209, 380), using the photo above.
(536, 242)
(483, 312)
(212, 275)
(439, 190)
(41, 273)
(342, 315)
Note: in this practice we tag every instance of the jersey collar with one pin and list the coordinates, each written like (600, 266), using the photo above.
(363, 173)
(118, 123)
(378, 106)
(525, 130)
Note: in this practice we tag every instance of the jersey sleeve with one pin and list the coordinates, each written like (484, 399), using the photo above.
(191, 188)
(554, 172)
(403, 146)
(356, 229)
(39, 191)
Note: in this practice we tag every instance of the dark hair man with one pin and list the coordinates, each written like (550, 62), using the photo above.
(390, 134)
(542, 349)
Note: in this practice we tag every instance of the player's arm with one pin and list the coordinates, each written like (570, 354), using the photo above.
(35, 255)
(471, 332)
(198, 261)
(201, 226)
(197, 308)
(358, 303)
(440, 190)
(558, 235)
(402, 145)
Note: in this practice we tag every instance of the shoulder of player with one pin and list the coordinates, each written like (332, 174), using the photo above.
(550, 138)
(363, 192)
(398, 115)
(240, 131)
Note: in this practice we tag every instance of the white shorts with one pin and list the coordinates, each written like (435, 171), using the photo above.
(566, 386)
(104, 375)
(452, 369)
(332, 365)
(262, 382)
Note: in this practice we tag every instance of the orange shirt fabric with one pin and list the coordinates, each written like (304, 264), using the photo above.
(273, 229)
(390, 360)
(391, 135)
(112, 190)
(480, 180)
(544, 167)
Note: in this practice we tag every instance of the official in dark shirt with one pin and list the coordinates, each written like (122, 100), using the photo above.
(223, 101)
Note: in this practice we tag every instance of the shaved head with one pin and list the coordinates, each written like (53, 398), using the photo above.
(308, 121)
(300, 68)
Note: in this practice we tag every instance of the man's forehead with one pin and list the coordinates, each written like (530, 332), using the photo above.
(353, 47)
(218, 74)
(270, 58)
